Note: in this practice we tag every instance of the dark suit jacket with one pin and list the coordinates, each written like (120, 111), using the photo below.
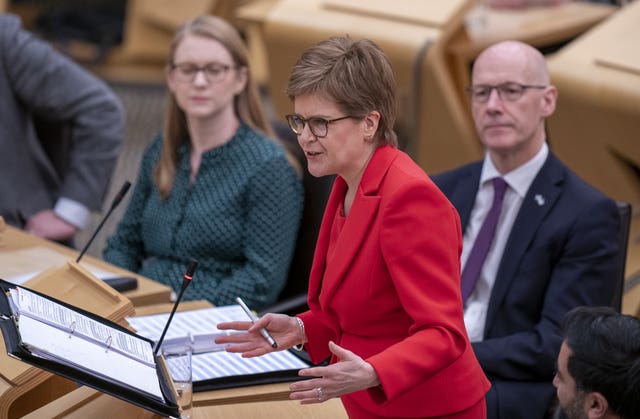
(559, 255)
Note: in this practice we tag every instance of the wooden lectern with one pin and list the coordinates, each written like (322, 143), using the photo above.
(23, 387)
(269, 400)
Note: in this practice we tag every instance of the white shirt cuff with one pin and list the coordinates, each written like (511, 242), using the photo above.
(72, 212)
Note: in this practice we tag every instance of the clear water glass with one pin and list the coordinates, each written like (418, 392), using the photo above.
(178, 360)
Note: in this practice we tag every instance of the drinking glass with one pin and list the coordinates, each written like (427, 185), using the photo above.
(178, 360)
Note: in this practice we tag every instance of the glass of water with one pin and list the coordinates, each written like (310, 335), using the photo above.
(178, 360)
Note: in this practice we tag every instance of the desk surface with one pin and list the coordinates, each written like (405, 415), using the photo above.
(23, 253)
(88, 403)
(264, 401)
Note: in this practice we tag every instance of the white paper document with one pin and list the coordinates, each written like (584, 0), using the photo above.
(53, 331)
(197, 327)
(76, 324)
(49, 342)
(210, 360)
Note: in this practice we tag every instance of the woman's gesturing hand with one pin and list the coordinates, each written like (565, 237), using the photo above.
(351, 373)
(284, 330)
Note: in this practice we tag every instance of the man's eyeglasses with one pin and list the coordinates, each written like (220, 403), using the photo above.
(509, 91)
(213, 72)
(318, 126)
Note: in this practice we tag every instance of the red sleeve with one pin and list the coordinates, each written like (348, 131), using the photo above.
(421, 242)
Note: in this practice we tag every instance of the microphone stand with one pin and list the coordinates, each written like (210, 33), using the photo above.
(114, 204)
(188, 276)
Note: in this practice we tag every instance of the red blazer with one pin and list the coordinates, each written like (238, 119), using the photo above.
(391, 293)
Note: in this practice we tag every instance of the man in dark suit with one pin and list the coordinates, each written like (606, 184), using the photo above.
(551, 247)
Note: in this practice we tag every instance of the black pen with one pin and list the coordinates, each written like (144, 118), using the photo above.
(253, 318)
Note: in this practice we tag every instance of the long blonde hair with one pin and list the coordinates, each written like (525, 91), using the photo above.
(247, 104)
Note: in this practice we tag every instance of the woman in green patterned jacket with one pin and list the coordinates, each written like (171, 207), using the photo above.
(213, 186)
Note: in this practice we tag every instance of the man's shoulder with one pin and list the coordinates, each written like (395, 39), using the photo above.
(10, 26)
(450, 178)
(9, 23)
(575, 187)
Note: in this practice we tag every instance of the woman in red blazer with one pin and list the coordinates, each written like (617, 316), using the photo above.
(384, 291)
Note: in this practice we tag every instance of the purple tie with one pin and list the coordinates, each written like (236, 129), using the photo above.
(471, 271)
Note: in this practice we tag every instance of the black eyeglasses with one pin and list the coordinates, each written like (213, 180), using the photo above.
(213, 72)
(509, 91)
(318, 126)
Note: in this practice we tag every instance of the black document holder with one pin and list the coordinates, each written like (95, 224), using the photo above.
(234, 381)
(76, 373)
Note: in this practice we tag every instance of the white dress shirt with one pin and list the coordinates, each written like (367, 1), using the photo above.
(72, 212)
(518, 182)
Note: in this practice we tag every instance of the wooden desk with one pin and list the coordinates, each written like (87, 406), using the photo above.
(23, 387)
(23, 253)
(264, 401)
(87, 403)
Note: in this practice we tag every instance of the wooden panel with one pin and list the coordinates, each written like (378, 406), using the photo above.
(292, 26)
(434, 13)
(595, 128)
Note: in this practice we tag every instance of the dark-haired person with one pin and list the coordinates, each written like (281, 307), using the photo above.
(598, 373)
(538, 240)
(38, 84)
(384, 290)
(214, 185)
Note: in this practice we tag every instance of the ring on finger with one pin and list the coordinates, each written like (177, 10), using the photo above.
(319, 391)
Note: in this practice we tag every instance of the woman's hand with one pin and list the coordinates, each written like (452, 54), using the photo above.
(351, 373)
(284, 330)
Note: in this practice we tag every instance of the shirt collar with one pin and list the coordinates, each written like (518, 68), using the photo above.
(520, 178)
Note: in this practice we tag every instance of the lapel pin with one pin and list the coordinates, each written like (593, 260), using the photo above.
(539, 199)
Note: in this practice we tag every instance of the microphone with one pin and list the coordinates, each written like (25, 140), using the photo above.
(114, 204)
(188, 276)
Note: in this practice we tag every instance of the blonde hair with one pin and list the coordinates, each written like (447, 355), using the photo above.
(356, 75)
(247, 104)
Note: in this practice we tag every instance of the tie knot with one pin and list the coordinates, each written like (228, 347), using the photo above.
(499, 187)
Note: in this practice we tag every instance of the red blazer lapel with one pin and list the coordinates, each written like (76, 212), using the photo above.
(320, 255)
(358, 223)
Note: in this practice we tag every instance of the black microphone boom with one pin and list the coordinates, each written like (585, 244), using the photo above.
(114, 204)
(188, 276)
